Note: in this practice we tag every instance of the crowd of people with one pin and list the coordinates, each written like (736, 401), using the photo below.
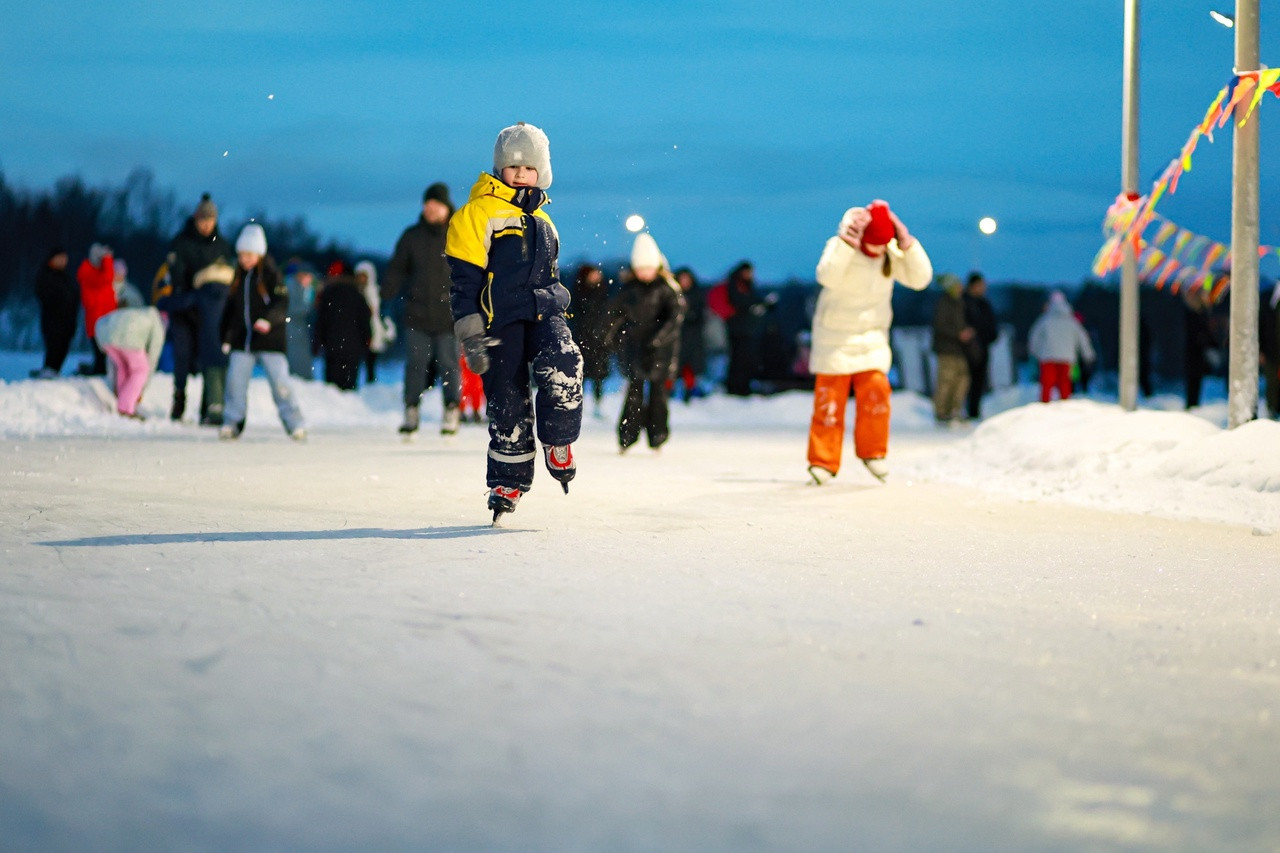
(487, 317)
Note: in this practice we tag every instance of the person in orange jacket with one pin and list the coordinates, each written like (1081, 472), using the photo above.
(871, 249)
(97, 276)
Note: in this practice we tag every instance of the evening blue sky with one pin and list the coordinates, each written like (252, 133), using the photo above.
(738, 130)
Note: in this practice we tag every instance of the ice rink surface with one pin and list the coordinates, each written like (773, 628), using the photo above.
(269, 645)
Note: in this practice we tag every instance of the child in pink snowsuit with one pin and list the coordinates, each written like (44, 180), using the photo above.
(132, 339)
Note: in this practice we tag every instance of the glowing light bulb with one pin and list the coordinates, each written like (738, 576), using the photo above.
(635, 223)
(987, 225)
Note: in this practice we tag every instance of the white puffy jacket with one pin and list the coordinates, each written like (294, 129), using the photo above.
(1058, 336)
(851, 323)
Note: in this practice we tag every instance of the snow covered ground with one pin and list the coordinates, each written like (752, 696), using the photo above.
(270, 645)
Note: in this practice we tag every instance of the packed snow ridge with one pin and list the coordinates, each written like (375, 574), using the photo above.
(1166, 463)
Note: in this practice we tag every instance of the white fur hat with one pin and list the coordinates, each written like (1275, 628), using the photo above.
(645, 252)
(252, 239)
(523, 145)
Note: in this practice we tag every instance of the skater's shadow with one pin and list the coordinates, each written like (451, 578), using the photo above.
(280, 536)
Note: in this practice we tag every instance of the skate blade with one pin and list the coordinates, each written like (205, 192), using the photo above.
(565, 486)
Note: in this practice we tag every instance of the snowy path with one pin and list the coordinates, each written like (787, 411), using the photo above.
(266, 645)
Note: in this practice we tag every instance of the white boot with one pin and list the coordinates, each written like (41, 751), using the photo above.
(878, 468)
(820, 475)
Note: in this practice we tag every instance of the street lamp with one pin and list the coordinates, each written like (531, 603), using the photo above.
(635, 223)
(986, 227)
(1226, 20)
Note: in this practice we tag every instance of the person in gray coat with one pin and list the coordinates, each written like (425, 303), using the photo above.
(132, 339)
(1058, 342)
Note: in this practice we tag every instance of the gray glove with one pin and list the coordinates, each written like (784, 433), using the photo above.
(475, 345)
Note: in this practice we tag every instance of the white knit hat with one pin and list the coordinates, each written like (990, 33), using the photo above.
(523, 145)
(252, 239)
(645, 252)
(369, 270)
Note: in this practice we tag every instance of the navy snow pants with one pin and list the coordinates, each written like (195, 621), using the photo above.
(547, 346)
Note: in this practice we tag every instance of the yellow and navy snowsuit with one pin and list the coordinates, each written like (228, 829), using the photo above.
(502, 250)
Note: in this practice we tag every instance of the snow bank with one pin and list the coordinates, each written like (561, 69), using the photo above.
(1167, 463)
(83, 406)
(1094, 454)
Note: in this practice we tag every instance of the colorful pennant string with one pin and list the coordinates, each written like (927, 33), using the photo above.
(1174, 255)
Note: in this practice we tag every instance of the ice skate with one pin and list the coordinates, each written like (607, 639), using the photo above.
(560, 463)
(410, 425)
(878, 468)
(503, 500)
(228, 432)
(298, 434)
(819, 475)
(449, 423)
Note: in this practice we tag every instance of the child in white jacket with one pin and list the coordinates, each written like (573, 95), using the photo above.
(871, 249)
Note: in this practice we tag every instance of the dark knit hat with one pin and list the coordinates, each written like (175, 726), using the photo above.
(438, 192)
(206, 209)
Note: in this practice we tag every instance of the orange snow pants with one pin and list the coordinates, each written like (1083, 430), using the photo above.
(871, 420)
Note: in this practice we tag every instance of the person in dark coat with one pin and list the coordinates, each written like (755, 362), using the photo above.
(1199, 343)
(693, 346)
(59, 298)
(254, 331)
(430, 345)
(981, 317)
(342, 329)
(589, 324)
(1269, 347)
(1145, 384)
(201, 265)
(647, 316)
(743, 329)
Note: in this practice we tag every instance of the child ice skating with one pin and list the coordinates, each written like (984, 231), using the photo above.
(648, 314)
(870, 250)
(509, 315)
(253, 331)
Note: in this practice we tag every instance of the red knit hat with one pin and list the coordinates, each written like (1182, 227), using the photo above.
(879, 230)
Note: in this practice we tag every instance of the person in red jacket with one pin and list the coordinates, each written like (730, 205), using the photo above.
(97, 277)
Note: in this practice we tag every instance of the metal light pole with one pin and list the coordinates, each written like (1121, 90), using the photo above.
(1129, 182)
(1242, 372)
